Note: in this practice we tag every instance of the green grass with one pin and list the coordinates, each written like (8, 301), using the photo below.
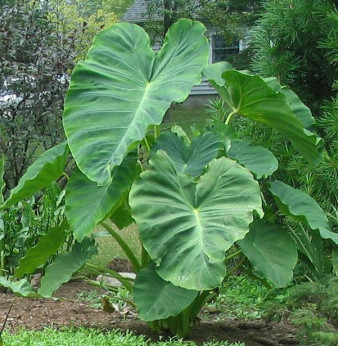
(186, 116)
(92, 337)
(108, 248)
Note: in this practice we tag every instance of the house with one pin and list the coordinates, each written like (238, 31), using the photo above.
(219, 49)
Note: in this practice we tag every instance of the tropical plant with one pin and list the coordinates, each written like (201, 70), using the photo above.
(192, 199)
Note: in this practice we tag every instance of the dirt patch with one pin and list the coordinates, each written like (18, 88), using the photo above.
(71, 310)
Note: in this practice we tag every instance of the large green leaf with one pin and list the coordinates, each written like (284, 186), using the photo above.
(302, 112)
(271, 251)
(123, 86)
(87, 203)
(46, 169)
(2, 172)
(251, 96)
(260, 161)
(186, 226)
(48, 245)
(65, 265)
(21, 287)
(158, 299)
(192, 159)
(301, 207)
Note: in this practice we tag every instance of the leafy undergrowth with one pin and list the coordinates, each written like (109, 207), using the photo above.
(92, 337)
(312, 306)
(239, 297)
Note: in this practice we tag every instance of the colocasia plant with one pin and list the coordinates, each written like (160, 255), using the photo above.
(192, 199)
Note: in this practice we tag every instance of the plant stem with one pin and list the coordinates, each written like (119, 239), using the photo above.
(140, 164)
(234, 269)
(230, 116)
(146, 144)
(156, 131)
(228, 258)
(124, 246)
(66, 176)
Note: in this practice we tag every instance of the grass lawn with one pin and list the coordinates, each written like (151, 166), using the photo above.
(91, 337)
(186, 116)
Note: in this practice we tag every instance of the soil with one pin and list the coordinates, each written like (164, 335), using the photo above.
(72, 310)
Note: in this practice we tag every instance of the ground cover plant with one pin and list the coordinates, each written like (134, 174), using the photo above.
(94, 337)
(198, 202)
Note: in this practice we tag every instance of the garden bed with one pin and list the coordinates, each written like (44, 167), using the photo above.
(72, 310)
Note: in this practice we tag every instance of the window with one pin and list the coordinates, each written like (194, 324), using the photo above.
(222, 50)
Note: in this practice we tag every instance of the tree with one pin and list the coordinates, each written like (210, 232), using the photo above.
(229, 17)
(286, 44)
(34, 56)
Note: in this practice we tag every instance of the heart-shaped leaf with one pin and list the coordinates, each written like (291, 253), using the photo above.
(123, 87)
(303, 208)
(46, 169)
(186, 226)
(189, 159)
(251, 96)
(157, 299)
(48, 245)
(260, 161)
(271, 251)
(87, 203)
(65, 265)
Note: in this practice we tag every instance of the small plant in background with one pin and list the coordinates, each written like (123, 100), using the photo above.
(35, 233)
(311, 306)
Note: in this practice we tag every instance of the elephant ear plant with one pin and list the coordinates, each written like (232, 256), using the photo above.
(192, 199)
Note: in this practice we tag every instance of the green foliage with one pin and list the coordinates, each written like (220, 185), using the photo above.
(24, 223)
(265, 102)
(35, 57)
(96, 337)
(159, 305)
(189, 208)
(82, 192)
(229, 17)
(65, 265)
(271, 251)
(287, 43)
(47, 168)
(312, 306)
(240, 297)
(81, 20)
(192, 201)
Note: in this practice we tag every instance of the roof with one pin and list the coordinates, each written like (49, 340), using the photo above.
(136, 12)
